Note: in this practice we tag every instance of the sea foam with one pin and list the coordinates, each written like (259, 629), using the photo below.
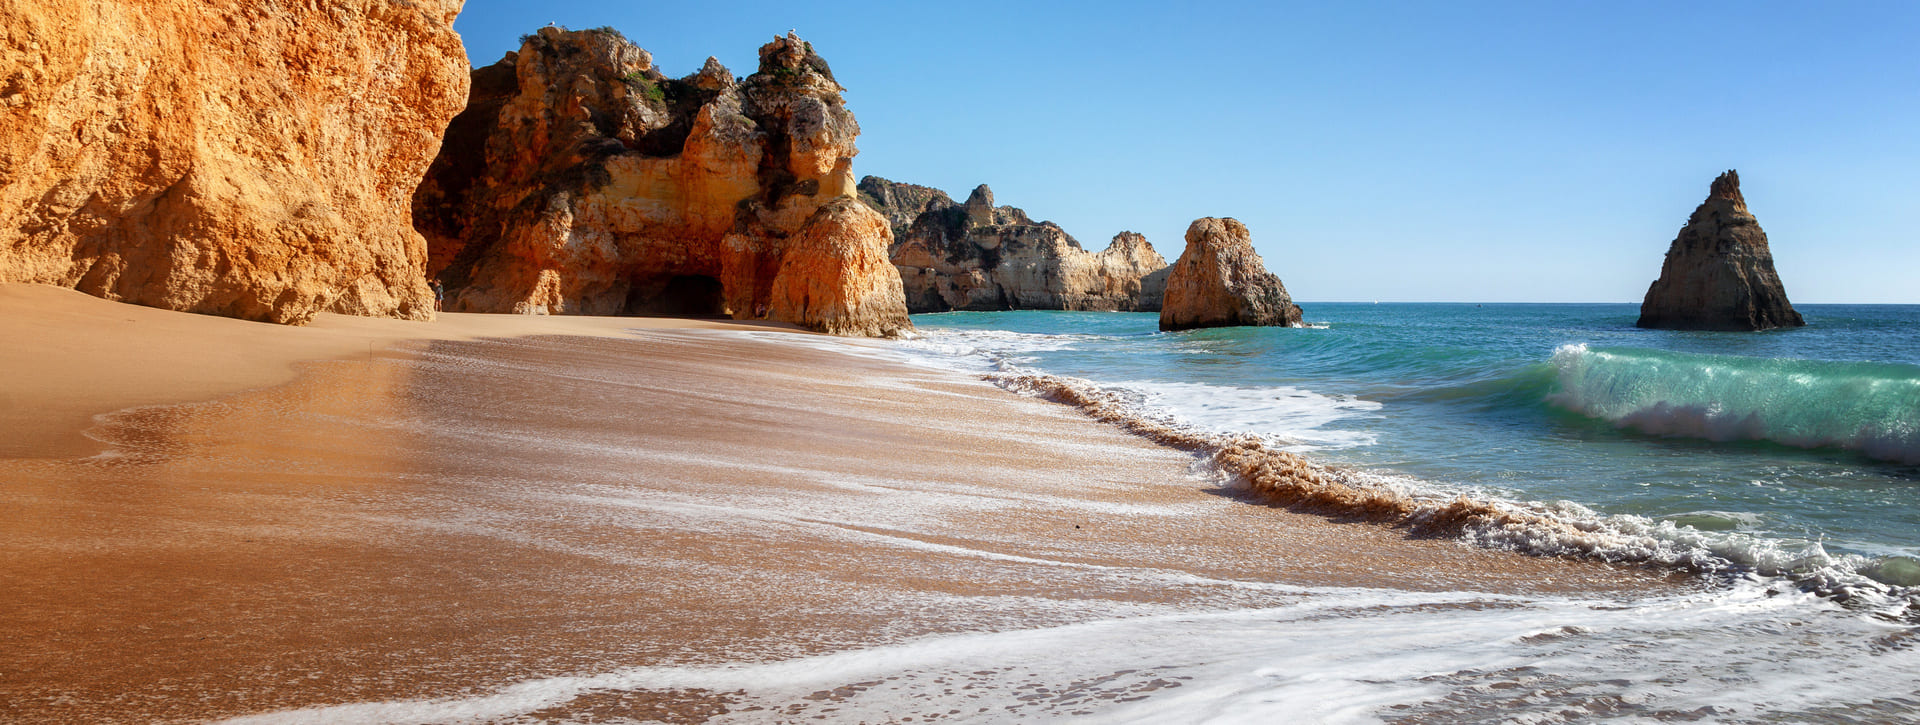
(1334, 655)
(1292, 418)
(1287, 417)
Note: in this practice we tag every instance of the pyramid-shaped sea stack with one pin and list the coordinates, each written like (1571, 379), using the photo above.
(1719, 272)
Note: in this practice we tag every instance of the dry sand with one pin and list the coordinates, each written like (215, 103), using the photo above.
(457, 514)
(70, 356)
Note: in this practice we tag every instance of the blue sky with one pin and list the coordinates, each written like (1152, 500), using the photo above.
(1395, 151)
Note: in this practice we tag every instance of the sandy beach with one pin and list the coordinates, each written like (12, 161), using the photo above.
(75, 356)
(208, 518)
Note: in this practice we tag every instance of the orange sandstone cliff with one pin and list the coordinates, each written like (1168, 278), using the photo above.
(582, 180)
(227, 157)
(1220, 281)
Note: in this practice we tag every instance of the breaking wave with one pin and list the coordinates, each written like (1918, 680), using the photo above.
(1890, 585)
(1871, 408)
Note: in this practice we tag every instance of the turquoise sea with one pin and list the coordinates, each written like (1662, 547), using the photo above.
(1791, 453)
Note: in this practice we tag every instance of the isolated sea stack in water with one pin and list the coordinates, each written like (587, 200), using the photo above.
(226, 157)
(978, 256)
(580, 180)
(1719, 272)
(1221, 282)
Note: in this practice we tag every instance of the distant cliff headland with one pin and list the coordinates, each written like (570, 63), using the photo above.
(977, 256)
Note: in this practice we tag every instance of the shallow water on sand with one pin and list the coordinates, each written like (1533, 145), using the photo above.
(1331, 656)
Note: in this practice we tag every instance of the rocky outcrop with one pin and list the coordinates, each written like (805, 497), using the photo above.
(581, 180)
(978, 256)
(1719, 271)
(901, 203)
(1220, 281)
(1125, 259)
(227, 157)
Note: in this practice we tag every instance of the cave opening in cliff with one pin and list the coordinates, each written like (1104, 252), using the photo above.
(682, 295)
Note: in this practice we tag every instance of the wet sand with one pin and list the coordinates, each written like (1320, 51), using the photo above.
(445, 518)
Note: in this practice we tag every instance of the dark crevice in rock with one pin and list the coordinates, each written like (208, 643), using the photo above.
(682, 103)
(685, 295)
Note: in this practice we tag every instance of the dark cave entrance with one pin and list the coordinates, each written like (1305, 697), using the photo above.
(684, 295)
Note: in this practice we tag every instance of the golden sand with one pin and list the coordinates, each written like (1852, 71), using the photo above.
(70, 356)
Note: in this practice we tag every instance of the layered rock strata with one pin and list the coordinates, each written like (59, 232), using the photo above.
(581, 180)
(978, 256)
(1220, 281)
(222, 156)
(1719, 273)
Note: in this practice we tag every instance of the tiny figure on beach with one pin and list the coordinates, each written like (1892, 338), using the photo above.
(439, 295)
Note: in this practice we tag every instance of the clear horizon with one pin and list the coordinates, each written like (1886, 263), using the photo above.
(1399, 152)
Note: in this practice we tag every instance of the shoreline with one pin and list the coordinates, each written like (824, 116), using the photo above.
(458, 515)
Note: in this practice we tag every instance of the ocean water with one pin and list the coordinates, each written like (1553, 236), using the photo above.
(1783, 451)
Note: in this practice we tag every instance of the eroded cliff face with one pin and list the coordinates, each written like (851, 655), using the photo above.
(1220, 281)
(1133, 268)
(1719, 273)
(977, 256)
(228, 157)
(581, 180)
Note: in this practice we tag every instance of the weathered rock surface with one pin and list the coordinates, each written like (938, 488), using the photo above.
(1220, 281)
(1719, 273)
(1124, 259)
(977, 256)
(227, 157)
(901, 203)
(581, 180)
